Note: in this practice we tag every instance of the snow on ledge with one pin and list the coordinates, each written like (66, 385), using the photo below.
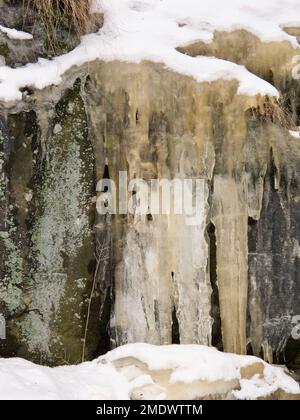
(295, 134)
(14, 34)
(137, 30)
(141, 371)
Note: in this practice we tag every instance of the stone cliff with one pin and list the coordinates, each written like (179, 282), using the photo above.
(233, 281)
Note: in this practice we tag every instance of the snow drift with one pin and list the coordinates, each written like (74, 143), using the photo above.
(144, 371)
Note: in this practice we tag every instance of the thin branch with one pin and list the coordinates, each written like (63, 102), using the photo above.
(101, 255)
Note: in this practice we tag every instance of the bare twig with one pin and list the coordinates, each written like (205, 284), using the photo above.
(101, 255)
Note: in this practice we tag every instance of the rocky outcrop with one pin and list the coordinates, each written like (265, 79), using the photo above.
(47, 233)
(232, 280)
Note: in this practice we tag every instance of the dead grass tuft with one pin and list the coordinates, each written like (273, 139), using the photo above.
(273, 110)
(56, 15)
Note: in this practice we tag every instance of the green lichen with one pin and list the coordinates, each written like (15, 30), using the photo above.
(10, 285)
(3, 181)
(61, 237)
(4, 51)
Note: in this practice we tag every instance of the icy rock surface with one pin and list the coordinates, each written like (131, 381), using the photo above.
(165, 89)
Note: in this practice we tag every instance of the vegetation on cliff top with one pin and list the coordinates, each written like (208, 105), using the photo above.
(57, 15)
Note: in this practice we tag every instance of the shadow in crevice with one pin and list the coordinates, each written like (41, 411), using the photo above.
(216, 339)
(175, 328)
(175, 323)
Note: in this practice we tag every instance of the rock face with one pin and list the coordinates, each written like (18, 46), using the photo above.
(47, 227)
(233, 280)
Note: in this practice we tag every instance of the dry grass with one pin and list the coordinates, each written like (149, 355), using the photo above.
(273, 110)
(70, 15)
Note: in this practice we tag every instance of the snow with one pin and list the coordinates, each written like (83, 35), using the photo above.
(20, 379)
(137, 30)
(14, 34)
(119, 375)
(295, 134)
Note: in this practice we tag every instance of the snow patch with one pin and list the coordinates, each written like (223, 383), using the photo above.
(20, 379)
(295, 134)
(15, 34)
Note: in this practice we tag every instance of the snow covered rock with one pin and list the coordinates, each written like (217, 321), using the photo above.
(153, 30)
(144, 371)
